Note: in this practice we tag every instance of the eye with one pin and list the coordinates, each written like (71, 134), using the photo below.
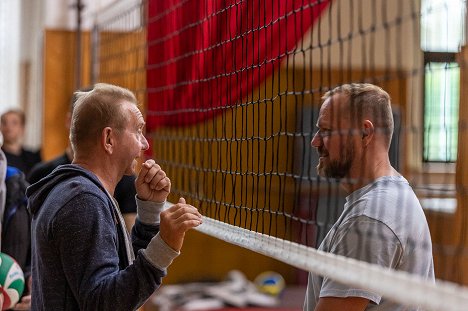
(323, 133)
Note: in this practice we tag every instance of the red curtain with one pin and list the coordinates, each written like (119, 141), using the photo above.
(206, 55)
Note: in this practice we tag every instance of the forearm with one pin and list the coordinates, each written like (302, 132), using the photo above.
(146, 223)
(92, 267)
(144, 276)
(126, 290)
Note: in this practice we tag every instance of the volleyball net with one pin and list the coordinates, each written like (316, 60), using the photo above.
(232, 92)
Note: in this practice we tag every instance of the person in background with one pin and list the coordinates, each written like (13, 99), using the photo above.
(82, 256)
(25, 302)
(124, 192)
(3, 171)
(12, 126)
(383, 222)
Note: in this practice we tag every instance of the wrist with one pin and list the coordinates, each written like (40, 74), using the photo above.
(138, 197)
(159, 253)
(148, 212)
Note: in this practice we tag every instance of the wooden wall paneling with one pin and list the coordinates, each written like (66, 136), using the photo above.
(59, 84)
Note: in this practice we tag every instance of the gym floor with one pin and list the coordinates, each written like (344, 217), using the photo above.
(292, 299)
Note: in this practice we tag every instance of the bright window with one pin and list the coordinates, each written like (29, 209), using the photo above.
(442, 25)
(442, 35)
(9, 53)
(441, 98)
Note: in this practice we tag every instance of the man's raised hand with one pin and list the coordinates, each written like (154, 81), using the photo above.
(152, 184)
(177, 220)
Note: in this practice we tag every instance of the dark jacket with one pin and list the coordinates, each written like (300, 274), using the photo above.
(16, 226)
(79, 260)
(23, 161)
(124, 191)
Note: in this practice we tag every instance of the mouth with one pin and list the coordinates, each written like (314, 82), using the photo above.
(323, 155)
(323, 159)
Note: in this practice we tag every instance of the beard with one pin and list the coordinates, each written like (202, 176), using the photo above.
(339, 168)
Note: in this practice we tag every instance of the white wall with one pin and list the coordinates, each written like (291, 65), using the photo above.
(62, 15)
(22, 25)
(10, 29)
(31, 60)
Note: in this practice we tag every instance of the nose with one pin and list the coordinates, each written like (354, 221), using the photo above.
(316, 141)
(144, 143)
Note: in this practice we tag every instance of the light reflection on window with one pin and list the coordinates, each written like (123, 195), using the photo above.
(442, 25)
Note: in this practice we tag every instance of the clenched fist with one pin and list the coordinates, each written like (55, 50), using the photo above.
(152, 184)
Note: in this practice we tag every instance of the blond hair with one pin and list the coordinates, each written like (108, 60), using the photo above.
(95, 110)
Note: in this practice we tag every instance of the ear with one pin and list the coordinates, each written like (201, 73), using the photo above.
(367, 132)
(108, 139)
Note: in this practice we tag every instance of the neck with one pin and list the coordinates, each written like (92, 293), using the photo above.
(69, 153)
(376, 166)
(12, 147)
(104, 173)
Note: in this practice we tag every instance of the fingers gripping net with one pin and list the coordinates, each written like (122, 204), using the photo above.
(233, 89)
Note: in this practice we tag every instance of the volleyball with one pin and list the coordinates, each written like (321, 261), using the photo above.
(11, 281)
(269, 282)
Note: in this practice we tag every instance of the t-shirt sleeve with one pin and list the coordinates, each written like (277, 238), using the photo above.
(368, 240)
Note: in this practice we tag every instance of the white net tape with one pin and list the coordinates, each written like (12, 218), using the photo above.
(398, 286)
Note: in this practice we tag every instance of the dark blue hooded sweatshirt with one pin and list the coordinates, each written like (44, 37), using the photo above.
(79, 259)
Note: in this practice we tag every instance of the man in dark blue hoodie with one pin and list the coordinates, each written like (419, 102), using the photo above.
(82, 255)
